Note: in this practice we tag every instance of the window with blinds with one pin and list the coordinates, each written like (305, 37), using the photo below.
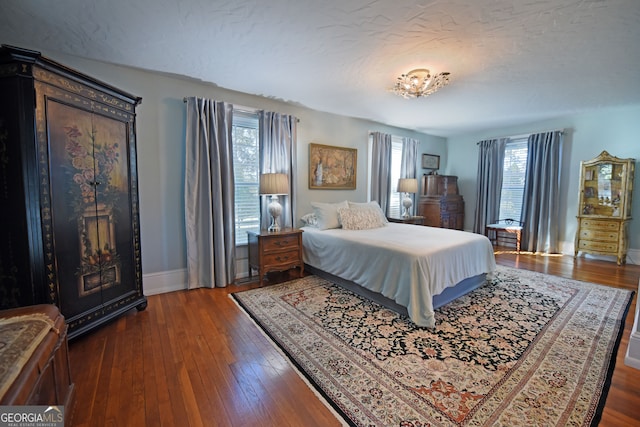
(395, 198)
(246, 171)
(513, 176)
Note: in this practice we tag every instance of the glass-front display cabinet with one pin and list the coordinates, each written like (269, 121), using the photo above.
(604, 209)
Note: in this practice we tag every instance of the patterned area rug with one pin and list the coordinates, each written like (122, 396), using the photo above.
(524, 349)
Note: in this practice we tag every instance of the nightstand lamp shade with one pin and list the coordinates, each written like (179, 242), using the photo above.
(274, 184)
(406, 186)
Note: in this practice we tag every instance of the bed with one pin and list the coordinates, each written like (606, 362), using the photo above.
(409, 268)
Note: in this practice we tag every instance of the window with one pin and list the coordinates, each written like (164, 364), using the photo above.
(515, 165)
(246, 167)
(395, 198)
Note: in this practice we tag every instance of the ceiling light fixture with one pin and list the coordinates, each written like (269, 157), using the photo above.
(418, 83)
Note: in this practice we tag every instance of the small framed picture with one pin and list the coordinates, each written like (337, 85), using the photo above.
(430, 161)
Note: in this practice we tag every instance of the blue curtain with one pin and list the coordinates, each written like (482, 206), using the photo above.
(277, 144)
(209, 194)
(489, 182)
(542, 193)
(381, 169)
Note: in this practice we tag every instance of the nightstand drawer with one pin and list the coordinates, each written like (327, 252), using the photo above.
(279, 243)
(278, 258)
(609, 236)
(598, 246)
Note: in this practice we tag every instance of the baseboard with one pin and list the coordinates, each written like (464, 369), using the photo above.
(632, 357)
(176, 280)
(633, 255)
(164, 281)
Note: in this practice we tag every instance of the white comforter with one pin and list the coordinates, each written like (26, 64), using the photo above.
(406, 263)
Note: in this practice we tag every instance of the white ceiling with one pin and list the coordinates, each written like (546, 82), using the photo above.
(511, 61)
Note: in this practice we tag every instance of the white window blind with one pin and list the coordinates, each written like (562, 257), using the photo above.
(513, 176)
(246, 168)
(395, 198)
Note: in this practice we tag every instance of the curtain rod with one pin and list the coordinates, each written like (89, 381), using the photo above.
(243, 109)
(523, 135)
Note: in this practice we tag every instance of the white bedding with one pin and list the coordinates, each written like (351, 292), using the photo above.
(406, 263)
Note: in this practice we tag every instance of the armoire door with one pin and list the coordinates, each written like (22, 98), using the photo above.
(91, 207)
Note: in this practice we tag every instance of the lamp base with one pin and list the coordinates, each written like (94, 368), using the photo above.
(275, 209)
(407, 203)
(274, 227)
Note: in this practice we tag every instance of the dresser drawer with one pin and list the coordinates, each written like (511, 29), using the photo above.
(593, 224)
(609, 236)
(590, 245)
(280, 243)
(451, 207)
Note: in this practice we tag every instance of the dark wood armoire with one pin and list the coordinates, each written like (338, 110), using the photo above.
(69, 222)
(440, 203)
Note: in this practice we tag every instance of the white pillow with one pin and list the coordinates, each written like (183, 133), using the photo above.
(372, 205)
(327, 214)
(310, 220)
(360, 218)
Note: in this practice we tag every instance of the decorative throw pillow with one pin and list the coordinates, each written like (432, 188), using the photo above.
(327, 214)
(372, 205)
(360, 218)
(309, 220)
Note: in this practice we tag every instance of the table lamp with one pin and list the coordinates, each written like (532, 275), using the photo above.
(274, 184)
(406, 186)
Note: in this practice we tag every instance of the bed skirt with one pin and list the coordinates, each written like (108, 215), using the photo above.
(445, 297)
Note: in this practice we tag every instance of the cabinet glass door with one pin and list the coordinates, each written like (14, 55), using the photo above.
(603, 187)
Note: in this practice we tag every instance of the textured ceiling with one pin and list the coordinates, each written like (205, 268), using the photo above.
(511, 61)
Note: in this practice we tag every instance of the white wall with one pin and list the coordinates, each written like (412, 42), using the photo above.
(616, 130)
(161, 129)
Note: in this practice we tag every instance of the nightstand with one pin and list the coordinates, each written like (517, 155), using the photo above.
(417, 219)
(275, 251)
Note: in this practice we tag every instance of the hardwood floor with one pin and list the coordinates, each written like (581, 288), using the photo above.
(192, 358)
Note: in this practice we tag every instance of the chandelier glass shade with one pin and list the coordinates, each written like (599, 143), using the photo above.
(419, 82)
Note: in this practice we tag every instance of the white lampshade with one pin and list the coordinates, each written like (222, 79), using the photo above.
(407, 185)
(274, 183)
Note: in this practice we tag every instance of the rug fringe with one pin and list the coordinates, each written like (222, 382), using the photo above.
(329, 406)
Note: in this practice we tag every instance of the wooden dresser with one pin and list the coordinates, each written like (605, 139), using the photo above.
(440, 203)
(275, 251)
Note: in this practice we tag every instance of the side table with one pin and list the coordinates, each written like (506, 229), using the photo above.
(275, 251)
(417, 219)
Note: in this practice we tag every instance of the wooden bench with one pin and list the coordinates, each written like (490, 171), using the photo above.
(508, 230)
(38, 361)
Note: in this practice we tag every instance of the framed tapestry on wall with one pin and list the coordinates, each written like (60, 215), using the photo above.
(332, 168)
